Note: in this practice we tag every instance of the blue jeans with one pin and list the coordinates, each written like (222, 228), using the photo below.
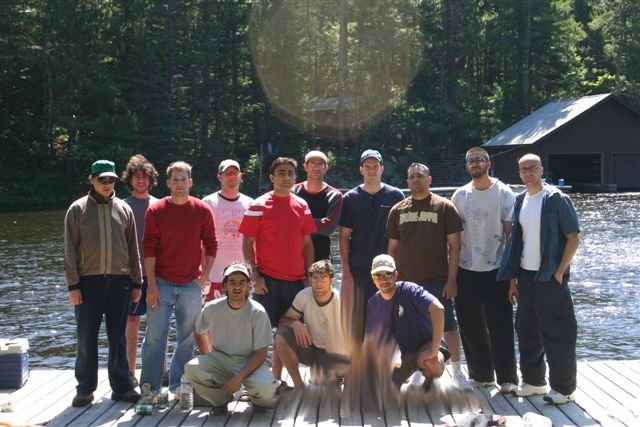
(186, 299)
(107, 296)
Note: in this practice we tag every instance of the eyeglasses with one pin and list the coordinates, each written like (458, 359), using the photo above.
(533, 168)
(473, 160)
(383, 276)
(106, 180)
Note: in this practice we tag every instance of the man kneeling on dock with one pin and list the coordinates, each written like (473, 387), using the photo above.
(311, 331)
(241, 335)
(405, 314)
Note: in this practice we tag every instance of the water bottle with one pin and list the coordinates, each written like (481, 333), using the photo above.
(186, 394)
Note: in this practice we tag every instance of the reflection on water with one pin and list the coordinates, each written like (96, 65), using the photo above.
(605, 279)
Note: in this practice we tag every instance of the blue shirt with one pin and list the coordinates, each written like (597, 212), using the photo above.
(366, 215)
(558, 218)
(404, 318)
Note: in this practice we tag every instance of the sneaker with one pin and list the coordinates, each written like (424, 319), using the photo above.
(219, 410)
(558, 398)
(507, 388)
(128, 396)
(525, 390)
(476, 383)
(82, 400)
(461, 382)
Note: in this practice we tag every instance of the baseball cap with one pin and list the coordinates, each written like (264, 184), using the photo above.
(367, 154)
(316, 154)
(226, 164)
(236, 268)
(103, 168)
(383, 262)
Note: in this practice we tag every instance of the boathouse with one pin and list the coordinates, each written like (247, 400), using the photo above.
(592, 143)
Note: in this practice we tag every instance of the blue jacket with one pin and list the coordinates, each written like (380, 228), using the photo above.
(558, 218)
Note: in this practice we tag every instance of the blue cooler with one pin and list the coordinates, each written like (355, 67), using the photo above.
(14, 362)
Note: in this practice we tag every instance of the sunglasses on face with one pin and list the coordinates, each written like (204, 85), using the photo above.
(473, 160)
(106, 180)
(382, 276)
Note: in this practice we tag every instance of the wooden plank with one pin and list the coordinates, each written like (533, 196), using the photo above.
(590, 384)
(618, 378)
(40, 398)
(608, 385)
(599, 405)
(58, 406)
(415, 406)
(158, 415)
(329, 406)
(307, 414)
(607, 395)
(633, 365)
(240, 415)
(626, 370)
(197, 417)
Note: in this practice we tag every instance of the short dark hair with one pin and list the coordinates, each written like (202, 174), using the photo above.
(282, 161)
(136, 163)
(322, 266)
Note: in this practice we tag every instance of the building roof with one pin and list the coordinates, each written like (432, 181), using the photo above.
(545, 121)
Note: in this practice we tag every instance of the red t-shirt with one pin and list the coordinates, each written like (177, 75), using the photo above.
(278, 225)
(174, 235)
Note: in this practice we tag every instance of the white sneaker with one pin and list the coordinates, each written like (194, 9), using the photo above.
(506, 388)
(477, 383)
(558, 398)
(524, 390)
(461, 382)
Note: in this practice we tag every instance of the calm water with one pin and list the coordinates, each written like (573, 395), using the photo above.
(605, 282)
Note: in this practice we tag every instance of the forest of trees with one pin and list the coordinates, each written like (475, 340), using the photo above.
(203, 80)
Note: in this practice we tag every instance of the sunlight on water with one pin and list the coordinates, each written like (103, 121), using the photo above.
(605, 281)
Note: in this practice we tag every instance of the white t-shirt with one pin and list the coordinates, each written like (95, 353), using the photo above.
(530, 215)
(235, 332)
(323, 321)
(228, 216)
(483, 213)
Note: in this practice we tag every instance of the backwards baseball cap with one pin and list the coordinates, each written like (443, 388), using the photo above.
(236, 268)
(315, 154)
(383, 262)
(103, 168)
(226, 164)
(368, 154)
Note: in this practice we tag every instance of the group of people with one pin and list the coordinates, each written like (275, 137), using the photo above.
(264, 265)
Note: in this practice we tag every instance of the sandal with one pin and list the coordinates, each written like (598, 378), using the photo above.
(283, 387)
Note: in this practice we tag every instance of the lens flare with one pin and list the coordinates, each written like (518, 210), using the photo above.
(333, 68)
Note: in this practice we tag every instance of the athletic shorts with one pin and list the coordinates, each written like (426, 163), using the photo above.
(313, 356)
(279, 297)
(435, 288)
(139, 308)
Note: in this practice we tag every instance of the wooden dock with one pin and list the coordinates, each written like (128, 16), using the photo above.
(608, 394)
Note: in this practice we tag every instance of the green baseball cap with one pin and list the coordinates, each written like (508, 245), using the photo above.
(103, 168)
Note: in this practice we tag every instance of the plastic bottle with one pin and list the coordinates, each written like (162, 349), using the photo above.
(186, 394)
(560, 182)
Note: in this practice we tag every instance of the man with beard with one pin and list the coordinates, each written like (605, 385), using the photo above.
(485, 314)
(424, 238)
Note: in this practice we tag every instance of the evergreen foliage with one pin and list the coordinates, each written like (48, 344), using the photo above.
(181, 80)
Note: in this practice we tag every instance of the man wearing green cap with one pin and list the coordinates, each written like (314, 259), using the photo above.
(103, 274)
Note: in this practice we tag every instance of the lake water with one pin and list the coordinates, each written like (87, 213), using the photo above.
(605, 282)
